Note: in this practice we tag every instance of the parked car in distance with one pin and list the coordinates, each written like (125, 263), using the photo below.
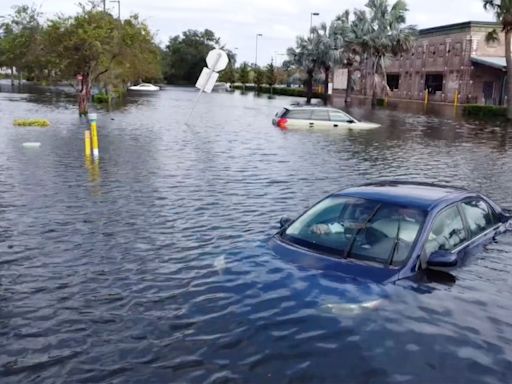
(145, 87)
(387, 231)
(318, 118)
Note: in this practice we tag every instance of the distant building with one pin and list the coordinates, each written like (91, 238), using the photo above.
(444, 60)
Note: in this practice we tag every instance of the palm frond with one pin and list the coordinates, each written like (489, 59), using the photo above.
(492, 36)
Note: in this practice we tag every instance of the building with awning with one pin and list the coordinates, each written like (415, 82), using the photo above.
(448, 61)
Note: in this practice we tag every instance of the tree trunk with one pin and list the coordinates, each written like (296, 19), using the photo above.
(12, 76)
(326, 84)
(374, 81)
(309, 89)
(19, 78)
(84, 95)
(348, 98)
(508, 58)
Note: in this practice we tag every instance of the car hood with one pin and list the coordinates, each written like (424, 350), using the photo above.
(347, 267)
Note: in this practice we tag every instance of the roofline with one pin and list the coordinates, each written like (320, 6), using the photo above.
(466, 25)
(481, 60)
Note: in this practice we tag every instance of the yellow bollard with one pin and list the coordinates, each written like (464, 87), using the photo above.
(385, 101)
(456, 98)
(87, 140)
(426, 97)
(94, 134)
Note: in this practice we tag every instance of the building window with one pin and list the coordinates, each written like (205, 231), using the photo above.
(458, 49)
(393, 81)
(442, 49)
(434, 82)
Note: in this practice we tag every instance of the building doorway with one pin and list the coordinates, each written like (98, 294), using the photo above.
(434, 82)
(488, 91)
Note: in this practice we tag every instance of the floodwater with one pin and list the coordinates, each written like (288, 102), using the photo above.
(152, 266)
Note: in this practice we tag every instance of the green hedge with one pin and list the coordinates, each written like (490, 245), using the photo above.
(485, 111)
(295, 92)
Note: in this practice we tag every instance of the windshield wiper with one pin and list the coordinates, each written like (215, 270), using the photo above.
(396, 243)
(352, 242)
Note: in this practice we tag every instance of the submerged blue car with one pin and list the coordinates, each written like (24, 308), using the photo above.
(387, 231)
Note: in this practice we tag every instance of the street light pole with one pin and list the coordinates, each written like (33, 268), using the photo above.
(256, 55)
(118, 7)
(311, 19)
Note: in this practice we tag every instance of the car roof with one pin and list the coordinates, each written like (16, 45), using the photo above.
(420, 195)
(298, 106)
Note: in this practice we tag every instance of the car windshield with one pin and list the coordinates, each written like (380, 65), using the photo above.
(357, 228)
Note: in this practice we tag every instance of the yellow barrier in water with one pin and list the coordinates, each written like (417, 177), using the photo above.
(426, 97)
(94, 134)
(87, 141)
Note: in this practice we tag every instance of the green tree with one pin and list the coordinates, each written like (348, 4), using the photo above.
(19, 44)
(259, 77)
(185, 55)
(270, 75)
(382, 33)
(349, 40)
(93, 46)
(243, 74)
(304, 56)
(228, 75)
(503, 13)
(326, 54)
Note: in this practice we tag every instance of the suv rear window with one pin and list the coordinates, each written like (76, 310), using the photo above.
(282, 113)
(299, 114)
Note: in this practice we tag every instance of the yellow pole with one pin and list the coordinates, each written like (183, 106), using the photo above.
(456, 98)
(426, 96)
(385, 101)
(94, 134)
(87, 140)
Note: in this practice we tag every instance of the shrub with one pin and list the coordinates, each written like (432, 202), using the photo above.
(484, 111)
(381, 102)
(101, 98)
(31, 123)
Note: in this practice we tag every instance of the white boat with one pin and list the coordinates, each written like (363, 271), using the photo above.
(145, 87)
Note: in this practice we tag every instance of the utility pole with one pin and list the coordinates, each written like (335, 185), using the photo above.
(311, 20)
(118, 7)
(256, 55)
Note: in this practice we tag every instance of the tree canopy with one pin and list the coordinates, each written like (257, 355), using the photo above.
(184, 55)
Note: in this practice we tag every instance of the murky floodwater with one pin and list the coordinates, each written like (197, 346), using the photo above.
(153, 266)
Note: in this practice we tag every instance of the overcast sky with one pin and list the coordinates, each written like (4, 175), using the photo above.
(237, 22)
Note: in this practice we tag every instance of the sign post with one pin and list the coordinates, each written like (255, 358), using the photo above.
(217, 60)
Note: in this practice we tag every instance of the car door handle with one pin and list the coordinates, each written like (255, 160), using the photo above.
(311, 125)
(335, 125)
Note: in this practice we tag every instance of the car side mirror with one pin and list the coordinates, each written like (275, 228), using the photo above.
(442, 259)
(285, 222)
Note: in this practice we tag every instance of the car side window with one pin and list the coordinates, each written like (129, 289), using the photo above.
(479, 216)
(299, 114)
(447, 231)
(320, 114)
(339, 117)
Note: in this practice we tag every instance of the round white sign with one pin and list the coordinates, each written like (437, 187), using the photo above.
(217, 60)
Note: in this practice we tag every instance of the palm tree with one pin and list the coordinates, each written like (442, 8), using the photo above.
(503, 14)
(304, 56)
(349, 41)
(325, 52)
(383, 33)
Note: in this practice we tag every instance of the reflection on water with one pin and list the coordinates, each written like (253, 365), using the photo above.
(152, 265)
